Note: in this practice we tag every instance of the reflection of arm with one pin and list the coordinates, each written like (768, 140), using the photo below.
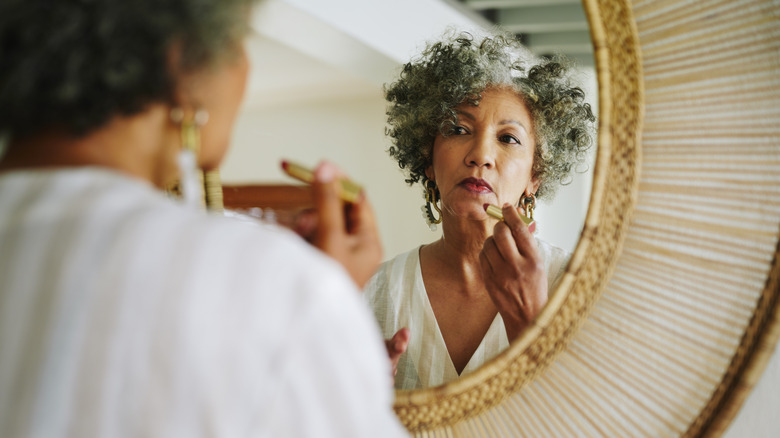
(513, 272)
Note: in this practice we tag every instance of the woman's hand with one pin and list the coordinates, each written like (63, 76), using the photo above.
(513, 272)
(345, 231)
(396, 346)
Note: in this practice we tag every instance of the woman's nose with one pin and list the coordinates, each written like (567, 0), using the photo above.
(481, 153)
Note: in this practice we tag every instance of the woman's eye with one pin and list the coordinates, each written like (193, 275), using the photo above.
(459, 130)
(509, 139)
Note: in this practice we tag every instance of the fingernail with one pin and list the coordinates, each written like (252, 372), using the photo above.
(325, 172)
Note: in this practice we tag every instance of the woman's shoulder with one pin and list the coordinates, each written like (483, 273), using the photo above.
(392, 272)
(139, 221)
(549, 250)
(555, 260)
(402, 260)
(275, 250)
(251, 254)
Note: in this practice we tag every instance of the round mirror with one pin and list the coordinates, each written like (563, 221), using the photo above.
(669, 306)
(315, 102)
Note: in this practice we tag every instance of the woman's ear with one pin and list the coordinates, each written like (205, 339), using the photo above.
(187, 86)
(173, 62)
(429, 173)
(533, 186)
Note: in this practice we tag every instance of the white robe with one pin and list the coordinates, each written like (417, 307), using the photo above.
(125, 314)
(399, 299)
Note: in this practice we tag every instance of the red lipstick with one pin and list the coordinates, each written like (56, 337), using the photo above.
(476, 185)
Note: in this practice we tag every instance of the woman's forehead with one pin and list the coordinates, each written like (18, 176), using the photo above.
(503, 101)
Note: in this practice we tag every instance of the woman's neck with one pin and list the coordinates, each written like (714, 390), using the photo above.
(457, 252)
(143, 145)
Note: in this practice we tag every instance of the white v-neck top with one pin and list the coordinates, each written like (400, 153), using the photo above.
(399, 299)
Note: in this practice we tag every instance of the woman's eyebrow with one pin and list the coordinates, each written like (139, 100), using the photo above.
(469, 116)
(513, 122)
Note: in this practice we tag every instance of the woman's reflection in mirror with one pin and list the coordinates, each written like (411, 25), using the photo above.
(476, 121)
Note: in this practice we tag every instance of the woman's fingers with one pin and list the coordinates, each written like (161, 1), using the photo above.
(330, 221)
(360, 219)
(345, 231)
(524, 240)
(513, 272)
(396, 346)
(497, 281)
(363, 241)
(511, 240)
(505, 244)
(305, 224)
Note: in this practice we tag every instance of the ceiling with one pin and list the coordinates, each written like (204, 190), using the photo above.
(544, 26)
(315, 50)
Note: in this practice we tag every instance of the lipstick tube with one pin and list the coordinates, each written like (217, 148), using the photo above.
(495, 211)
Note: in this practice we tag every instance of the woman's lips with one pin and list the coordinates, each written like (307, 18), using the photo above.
(476, 185)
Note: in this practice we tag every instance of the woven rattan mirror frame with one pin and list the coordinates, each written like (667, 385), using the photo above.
(618, 352)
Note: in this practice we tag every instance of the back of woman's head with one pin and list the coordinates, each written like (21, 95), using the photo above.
(73, 65)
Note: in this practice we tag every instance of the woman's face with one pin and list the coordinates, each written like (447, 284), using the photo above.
(487, 158)
(220, 92)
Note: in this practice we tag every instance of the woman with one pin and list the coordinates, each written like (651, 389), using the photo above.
(474, 128)
(126, 313)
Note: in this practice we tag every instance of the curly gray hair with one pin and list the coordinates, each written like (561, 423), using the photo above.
(73, 65)
(457, 70)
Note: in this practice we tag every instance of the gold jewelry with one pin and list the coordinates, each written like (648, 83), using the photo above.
(431, 198)
(190, 127)
(528, 203)
(213, 191)
(191, 179)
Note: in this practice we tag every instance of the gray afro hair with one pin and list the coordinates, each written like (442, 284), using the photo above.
(456, 70)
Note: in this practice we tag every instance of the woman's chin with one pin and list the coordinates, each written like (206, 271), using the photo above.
(473, 212)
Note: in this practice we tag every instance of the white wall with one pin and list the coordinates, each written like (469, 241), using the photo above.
(349, 133)
(560, 221)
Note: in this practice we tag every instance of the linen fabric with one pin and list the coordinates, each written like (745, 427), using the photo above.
(125, 314)
(399, 299)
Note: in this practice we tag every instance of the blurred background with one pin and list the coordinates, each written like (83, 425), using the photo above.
(315, 92)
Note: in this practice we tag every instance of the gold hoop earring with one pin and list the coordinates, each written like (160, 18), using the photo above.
(528, 203)
(190, 127)
(191, 179)
(431, 198)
